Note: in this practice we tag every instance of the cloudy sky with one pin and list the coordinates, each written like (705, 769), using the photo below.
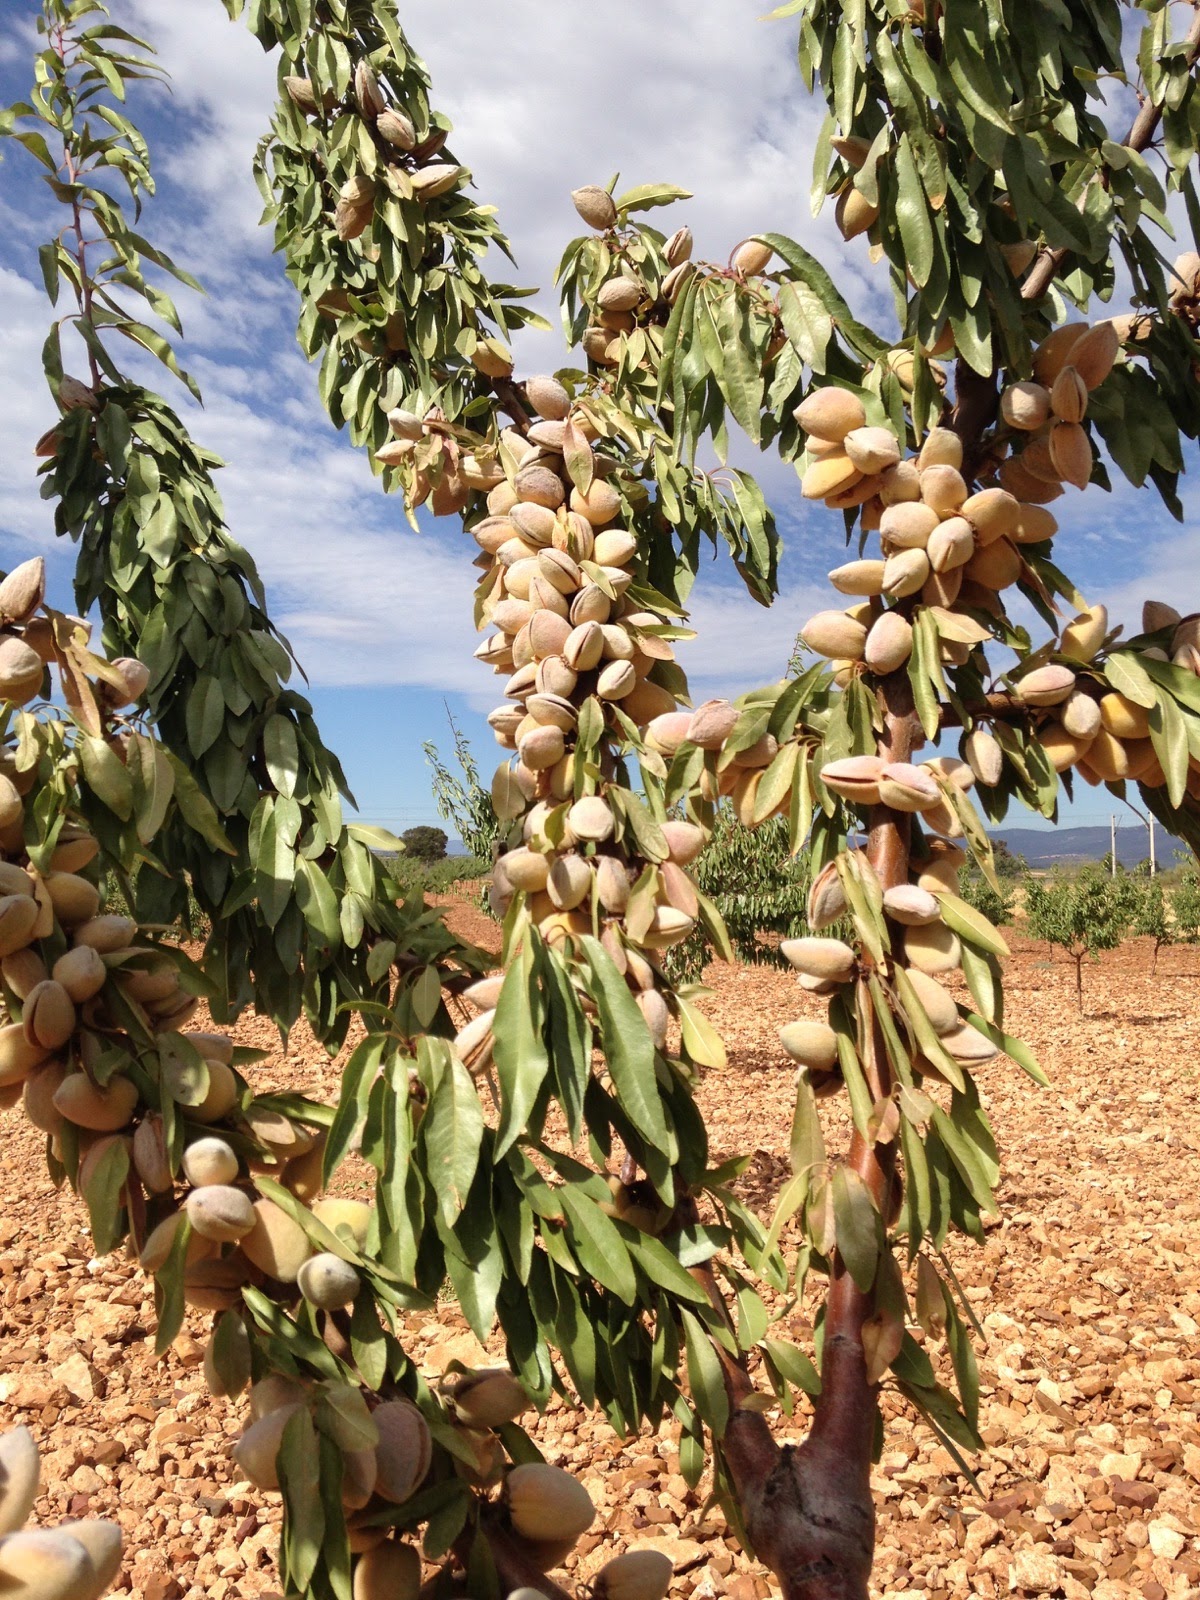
(701, 93)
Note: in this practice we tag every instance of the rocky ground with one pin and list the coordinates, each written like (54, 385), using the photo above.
(1089, 1293)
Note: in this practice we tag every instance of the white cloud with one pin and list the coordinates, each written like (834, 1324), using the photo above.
(26, 409)
(700, 93)
(544, 98)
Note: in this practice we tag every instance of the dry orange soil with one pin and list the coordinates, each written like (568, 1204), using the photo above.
(1089, 1293)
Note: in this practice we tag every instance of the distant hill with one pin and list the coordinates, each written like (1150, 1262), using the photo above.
(1071, 847)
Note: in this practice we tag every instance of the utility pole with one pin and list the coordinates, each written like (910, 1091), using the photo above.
(1153, 866)
(1112, 855)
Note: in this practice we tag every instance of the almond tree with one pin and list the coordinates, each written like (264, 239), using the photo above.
(1151, 920)
(968, 145)
(1083, 914)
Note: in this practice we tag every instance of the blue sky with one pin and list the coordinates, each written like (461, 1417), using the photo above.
(542, 101)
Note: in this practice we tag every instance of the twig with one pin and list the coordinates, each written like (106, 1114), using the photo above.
(1142, 131)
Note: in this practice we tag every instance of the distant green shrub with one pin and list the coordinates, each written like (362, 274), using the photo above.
(435, 877)
(758, 886)
(978, 892)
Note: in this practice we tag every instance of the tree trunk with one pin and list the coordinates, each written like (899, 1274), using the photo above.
(1079, 983)
(808, 1509)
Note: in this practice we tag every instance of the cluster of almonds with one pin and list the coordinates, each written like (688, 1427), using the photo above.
(608, 870)
(237, 1238)
(625, 299)
(543, 1508)
(409, 168)
(942, 545)
(384, 1473)
(75, 1561)
(930, 949)
(28, 645)
(69, 971)
(1047, 411)
(73, 975)
(557, 571)
(1087, 725)
(93, 1006)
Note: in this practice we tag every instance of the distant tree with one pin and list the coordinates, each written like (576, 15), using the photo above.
(1151, 920)
(1083, 915)
(425, 843)
(1008, 863)
(1130, 891)
(1185, 907)
(463, 801)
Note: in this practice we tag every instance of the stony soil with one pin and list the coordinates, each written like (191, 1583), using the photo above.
(1089, 1293)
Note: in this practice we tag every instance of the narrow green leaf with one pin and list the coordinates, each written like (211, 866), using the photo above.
(704, 1375)
(858, 1226)
(520, 1049)
(598, 1245)
(452, 1128)
(628, 1047)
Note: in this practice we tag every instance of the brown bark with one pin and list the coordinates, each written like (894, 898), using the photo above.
(999, 707)
(976, 404)
(808, 1510)
(514, 1568)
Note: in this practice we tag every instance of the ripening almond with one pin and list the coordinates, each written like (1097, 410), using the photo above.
(889, 642)
(1094, 354)
(1052, 354)
(1016, 477)
(829, 475)
(943, 488)
(942, 448)
(595, 206)
(810, 1044)
(1046, 686)
(872, 450)
(858, 577)
(1157, 614)
(1108, 757)
(1034, 525)
(933, 949)
(1124, 718)
(751, 258)
(831, 413)
(1071, 453)
(835, 635)
(997, 566)
(905, 572)
(951, 544)
(1069, 396)
(1025, 406)
(546, 1503)
(829, 959)
(1063, 748)
(1084, 634)
(1080, 715)
(854, 213)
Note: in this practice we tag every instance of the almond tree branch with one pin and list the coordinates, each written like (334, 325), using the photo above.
(750, 1451)
(514, 1568)
(1142, 131)
(809, 1511)
(1000, 707)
